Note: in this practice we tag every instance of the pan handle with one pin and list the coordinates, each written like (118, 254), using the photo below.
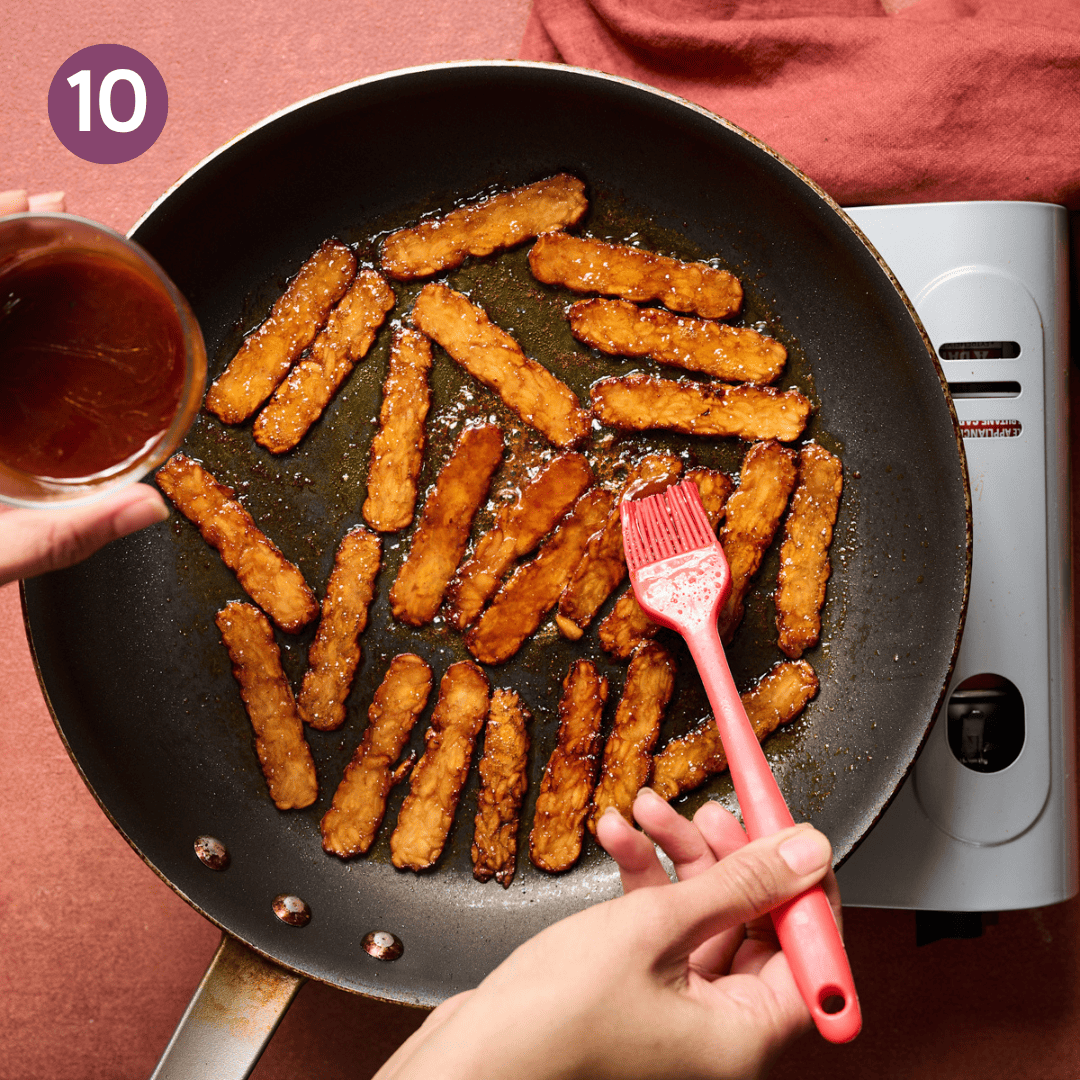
(229, 1021)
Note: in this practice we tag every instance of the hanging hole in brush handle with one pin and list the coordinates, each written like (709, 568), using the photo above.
(832, 1001)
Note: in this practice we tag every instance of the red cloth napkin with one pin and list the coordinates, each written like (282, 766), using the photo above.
(879, 101)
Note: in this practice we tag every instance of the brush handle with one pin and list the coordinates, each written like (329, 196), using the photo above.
(805, 926)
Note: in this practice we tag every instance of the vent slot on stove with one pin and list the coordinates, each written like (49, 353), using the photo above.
(1001, 388)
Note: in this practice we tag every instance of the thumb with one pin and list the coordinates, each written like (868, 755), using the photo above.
(38, 541)
(743, 886)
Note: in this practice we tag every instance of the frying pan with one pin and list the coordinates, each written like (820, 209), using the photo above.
(125, 646)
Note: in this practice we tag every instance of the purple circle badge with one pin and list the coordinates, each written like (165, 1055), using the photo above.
(108, 104)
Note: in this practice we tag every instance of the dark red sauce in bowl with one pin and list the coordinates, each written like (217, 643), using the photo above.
(91, 365)
(101, 362)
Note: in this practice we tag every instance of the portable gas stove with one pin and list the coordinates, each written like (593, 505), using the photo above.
(987, 821)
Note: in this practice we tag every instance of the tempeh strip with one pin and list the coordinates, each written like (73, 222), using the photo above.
(427, 813)
(503, 780)
(269, 351)
(284, 754)
(533, 589)
(620, 328)
(335, 652)
(804, 554)
(753, 515)
(643, 403)
(491, 355)
(603, 565)
(627, 762)
(479, 229)
(397, 451)
(440, 538)
(350, 825)
(273, 582)
(626, 625)
(518, 528)
(714, 487)
(688, 761)
(566, 789)
(587, 265)
(312, 383)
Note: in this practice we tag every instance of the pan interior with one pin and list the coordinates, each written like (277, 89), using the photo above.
(127, 650)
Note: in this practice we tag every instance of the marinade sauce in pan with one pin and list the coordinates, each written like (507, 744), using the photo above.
(91, 365)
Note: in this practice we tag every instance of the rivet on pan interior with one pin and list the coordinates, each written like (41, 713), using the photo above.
(212, 852)
(292, 910)
(382, 945)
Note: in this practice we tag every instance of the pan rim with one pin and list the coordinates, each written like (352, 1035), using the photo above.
(637, 87)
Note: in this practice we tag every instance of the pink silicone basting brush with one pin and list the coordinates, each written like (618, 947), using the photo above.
(681, 577)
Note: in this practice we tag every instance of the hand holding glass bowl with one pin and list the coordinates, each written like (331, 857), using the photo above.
(102, 371)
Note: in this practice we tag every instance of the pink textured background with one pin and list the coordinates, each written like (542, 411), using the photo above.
(97, 956)
(226, 65)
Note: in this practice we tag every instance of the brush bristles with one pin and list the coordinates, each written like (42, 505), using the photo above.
(684, 501)
(658, 527)
(635, 545)
(662, 526)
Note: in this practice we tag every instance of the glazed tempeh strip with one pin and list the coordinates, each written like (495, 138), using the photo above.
(335, 652)
(620, 328)
(279, 732)
(626, 625)
(440, 538)
(519, 527)
(566, 790)
(804, 554)
(269, 351)
(603, 565)
(397, 451)
(427, 813)
(350, 825)
(753, 514)
(688, 761)
(312, 383)
(479, 229)
(503, 780)
(497, 360)
(587, 265)
(273, 582)
(715, 488)
(641, 403)
(533, 589)
(627, 762)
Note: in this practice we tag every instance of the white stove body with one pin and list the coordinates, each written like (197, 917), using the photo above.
(955, 839)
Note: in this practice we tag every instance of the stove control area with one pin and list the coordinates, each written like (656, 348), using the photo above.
(1005, 632)
(987, 818)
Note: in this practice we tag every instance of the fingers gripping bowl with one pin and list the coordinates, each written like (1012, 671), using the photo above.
(128, 654)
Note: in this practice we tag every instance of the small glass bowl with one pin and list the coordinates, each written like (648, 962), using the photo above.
(28, 236)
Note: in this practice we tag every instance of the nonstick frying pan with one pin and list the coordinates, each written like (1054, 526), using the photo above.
(126, 649)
